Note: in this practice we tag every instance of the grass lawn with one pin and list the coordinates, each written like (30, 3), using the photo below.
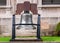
(55, 39)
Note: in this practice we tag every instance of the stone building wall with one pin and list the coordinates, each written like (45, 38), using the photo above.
(50, 15)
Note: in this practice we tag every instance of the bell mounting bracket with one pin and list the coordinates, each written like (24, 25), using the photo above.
(26, 6)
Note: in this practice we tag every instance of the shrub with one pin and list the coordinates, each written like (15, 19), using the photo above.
(58, 29)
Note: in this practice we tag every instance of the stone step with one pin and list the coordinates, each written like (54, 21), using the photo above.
(26, 39)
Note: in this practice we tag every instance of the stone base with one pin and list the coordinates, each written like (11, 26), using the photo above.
(28, 39)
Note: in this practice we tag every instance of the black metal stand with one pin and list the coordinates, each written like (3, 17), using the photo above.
(13, 28)
(38, 28)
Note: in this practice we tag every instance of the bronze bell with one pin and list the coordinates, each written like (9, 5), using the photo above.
(26, 18)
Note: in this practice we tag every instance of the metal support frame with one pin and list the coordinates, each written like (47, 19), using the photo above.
(38, 27)
(13, 27)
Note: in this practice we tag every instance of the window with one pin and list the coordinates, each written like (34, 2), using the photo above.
(2, 2)
(5, 6)
(50, 2)
(56, 1)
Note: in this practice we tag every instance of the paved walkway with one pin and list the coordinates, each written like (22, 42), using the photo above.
(29, 42)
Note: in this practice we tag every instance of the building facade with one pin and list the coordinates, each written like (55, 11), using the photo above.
(48, 9)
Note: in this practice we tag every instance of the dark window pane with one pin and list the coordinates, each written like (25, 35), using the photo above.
(2, 2)
(46, 2)
(56, 1)
(51, 2)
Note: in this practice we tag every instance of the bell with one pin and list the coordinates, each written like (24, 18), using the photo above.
(26, 18)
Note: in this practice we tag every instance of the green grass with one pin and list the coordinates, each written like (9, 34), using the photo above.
(55, 39)
(4, 39)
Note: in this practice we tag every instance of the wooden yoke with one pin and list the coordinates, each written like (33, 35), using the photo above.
(26, 6)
